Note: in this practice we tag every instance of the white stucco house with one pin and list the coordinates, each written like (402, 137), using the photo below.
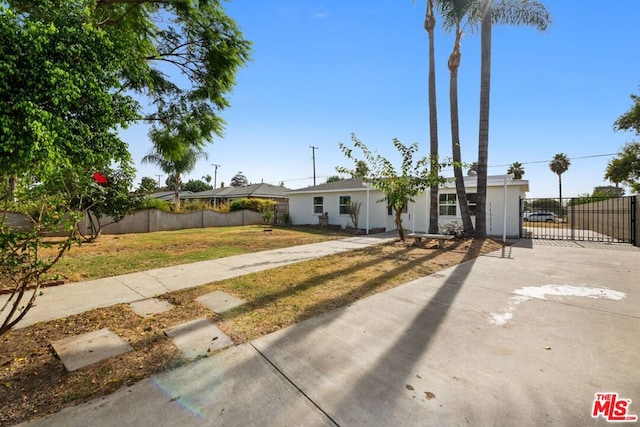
(307, 204)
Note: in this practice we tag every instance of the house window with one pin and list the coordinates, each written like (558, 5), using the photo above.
(318, 207)
(447, 204)
(345, 201)
(471, 201)
(405, 209)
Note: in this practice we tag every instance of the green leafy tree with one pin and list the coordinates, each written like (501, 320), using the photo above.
(105, 194)
(334, 178)
(361, 170)
(196, 185)
(399, 186)
(67, 74)
(62, 99)
(516, 169)
(176, 166)
(559, 165)
(631, 119)
(147, 185)
(607, 192)
(625, 167)
(239, 180)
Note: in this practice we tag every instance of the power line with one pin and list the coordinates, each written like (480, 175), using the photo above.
(570, 158)
(491, 166)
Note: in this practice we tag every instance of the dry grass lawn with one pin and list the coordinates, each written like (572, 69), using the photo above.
(33, 382)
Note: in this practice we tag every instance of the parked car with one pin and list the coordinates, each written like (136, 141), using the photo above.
(540, 217)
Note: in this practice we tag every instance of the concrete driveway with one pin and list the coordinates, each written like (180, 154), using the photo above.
(524, 337)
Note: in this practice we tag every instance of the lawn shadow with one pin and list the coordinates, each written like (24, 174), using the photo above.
(343, 299)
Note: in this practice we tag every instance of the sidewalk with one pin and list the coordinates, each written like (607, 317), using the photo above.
(62, 301)
(523, 339)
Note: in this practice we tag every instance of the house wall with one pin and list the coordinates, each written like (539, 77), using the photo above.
(419, 211)
(417, 217)
(301, 209)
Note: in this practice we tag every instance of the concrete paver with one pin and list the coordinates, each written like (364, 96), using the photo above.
(425, 353)
(79, 351)
(197, 338)
(219, 301)
(149, 307)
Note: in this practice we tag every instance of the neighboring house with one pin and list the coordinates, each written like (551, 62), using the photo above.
(167, 196)
(333, 198)
(226, 195)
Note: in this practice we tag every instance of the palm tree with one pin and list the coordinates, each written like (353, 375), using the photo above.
(454, 13)
(176, 165)
(559, 165)
(516, 169)
(504, 11)
(460, 15)
(429, 26)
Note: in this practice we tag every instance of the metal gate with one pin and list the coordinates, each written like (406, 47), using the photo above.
(579, 218)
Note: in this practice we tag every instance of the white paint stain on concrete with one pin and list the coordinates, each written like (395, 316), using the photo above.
(541, 292)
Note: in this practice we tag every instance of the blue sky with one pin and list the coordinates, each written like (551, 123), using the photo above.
(321, 70)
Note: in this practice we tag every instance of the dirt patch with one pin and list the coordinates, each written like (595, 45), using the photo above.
(33, 381)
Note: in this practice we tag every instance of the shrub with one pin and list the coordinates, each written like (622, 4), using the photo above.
(222, 208)
(153, 203)
(196, 205)
(258, 205)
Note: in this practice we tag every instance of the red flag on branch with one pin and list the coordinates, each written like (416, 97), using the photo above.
(99, 178)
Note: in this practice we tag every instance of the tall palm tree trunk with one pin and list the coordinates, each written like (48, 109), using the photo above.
(429, 25)
(483, 129)
(454, 65)
(176, 193)
(560, 190)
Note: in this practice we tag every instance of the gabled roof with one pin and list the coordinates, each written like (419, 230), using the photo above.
(343, 184)
(356, 184)
(167, 196)
(252, 190)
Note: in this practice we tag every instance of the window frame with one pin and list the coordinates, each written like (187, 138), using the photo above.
(317, 205)
(446, 203)
(343, 204)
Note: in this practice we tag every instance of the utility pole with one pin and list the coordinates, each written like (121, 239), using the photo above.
(159, 176)
(215, 174)
(313, 150)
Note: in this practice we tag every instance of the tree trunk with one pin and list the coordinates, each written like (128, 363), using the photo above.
(399, 224)
(483, 128)
(454, 64)
(176, 193)
(429, 25)
(560, 191)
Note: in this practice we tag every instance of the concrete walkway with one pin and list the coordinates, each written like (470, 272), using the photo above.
(526, 337)
(62, 301)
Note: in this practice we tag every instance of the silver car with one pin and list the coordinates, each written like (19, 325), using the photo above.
(540, 217)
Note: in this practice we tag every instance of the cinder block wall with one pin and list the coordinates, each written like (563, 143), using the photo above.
(149, 220)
